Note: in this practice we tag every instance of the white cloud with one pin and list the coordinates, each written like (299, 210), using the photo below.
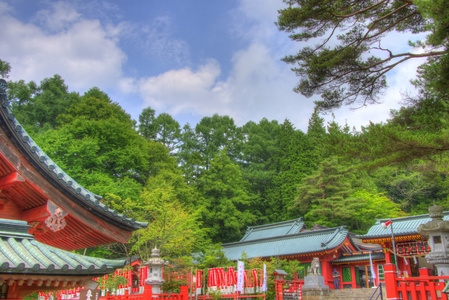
(83, 52)
(59, 16)
(186, 91)
(258, 87)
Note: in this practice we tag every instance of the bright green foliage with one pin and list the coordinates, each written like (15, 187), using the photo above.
(295, 160)
(258, 162)
(316, 132)
(323, 196)
(188, 156)
(39, 106)
(215, 133)
(347, 62)
(163, 128)
(212, 256)
(5, 68)
(370, 207)
(173, 228)
(147, 127)
(168, 131)
(98, 136)
(227, 207)
(413, 189)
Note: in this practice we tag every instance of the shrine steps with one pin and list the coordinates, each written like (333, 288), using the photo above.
(345, 294)
(351, 294)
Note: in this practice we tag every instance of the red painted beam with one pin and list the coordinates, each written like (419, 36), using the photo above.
(38, 214)
(10, 179)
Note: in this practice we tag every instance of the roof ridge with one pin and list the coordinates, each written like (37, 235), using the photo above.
(379, 221)
(288, 236)
(276, 224)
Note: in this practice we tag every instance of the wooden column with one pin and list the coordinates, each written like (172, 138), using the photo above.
(390, 282)
(353, 279)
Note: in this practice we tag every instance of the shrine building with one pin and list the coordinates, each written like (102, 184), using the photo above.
(336, 248)
(44, 213)
(358, 258)
(410, 246)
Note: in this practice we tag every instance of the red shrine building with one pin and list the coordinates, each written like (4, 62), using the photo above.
(410, 247)
(44, 213)
(336, 248)
(359, 259)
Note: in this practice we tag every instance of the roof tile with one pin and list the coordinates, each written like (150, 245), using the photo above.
(23, 254)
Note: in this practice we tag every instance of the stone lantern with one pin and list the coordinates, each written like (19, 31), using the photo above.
(438, 232)
(155, 264)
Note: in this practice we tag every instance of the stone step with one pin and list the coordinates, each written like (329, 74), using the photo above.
(343, 294)
(351, 294)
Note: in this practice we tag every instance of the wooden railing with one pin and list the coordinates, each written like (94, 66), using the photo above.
(148, 295)
(228, 296)
(414, 288)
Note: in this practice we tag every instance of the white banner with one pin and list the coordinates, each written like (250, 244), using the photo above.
(373, 274)
(265, 279)
(240, 269)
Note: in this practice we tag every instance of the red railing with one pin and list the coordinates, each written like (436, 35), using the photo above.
(288, 287)
(227, 296)
(137, 294)
(148, 295)
(414, 288)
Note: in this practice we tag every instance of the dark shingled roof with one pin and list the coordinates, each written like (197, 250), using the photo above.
(20, 253)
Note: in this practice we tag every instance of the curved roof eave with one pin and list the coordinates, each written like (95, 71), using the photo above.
(316, 241)
(54, 174)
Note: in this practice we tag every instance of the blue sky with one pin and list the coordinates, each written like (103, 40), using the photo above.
(188, 58)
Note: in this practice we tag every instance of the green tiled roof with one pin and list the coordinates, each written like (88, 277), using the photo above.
(359, 258)
(20, 253)
(44, 164)
(299, 243)
(274, 229)
(401, 226)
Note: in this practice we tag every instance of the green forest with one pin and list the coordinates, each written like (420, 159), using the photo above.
(202, 184)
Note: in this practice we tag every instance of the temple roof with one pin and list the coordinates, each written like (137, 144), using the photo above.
(290, 244)
(401, 227)
(32, 187)
(358, 257)
(20, 253)
(274, 229)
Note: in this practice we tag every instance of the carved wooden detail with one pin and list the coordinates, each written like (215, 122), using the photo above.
(55, 221)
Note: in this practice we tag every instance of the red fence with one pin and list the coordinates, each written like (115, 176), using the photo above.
(184, 295)
(414, 288)
(288, 289)
(228, 296)
(148, 295)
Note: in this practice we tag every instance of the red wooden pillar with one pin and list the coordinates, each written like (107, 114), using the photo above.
(148, 292)
(184, 292)
(353, 277)
(391, 284)
(279, 294)
(326, 271)
(407, 266)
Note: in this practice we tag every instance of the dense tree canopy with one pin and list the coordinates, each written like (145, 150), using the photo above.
(203, 184)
